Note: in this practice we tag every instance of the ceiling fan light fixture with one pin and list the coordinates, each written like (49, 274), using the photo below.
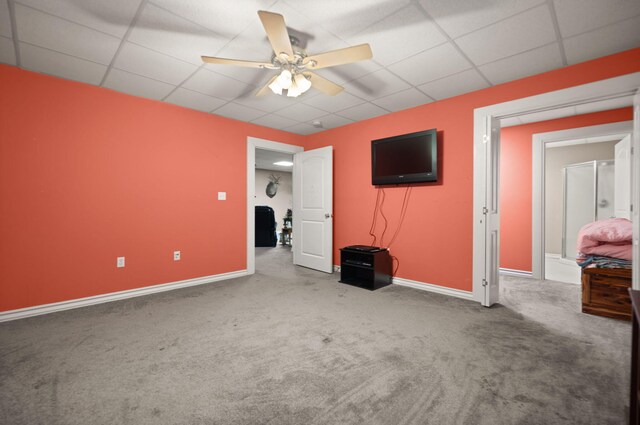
(284, 79)
(293, 90)
(302, 82)
(275, 87)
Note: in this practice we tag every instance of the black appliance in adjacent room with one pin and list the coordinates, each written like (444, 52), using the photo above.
(265, 226)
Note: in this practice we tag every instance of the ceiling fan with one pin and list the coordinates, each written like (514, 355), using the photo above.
(294, 64)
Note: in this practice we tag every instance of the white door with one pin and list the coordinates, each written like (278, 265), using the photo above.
(622, 179)
(635, 191)
(491, 212)
(313, 209)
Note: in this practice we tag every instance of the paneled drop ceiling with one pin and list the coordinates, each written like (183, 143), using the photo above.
(423, 50)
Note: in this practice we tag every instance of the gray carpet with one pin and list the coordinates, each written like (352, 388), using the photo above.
(293, 346)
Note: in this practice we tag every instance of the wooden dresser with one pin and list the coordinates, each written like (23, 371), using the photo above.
(605, 292)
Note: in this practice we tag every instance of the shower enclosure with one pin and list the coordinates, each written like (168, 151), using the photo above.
(588, 196)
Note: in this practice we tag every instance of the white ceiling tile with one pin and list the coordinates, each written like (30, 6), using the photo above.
(459, 17)
(403, 100)
(604, 41)
(213, 84)
(517, 34)
(333, 121)
(301, 112)
(552, 114)
(578, 16)
(112, 17)
(238, 112)
(303, 129)
(57, 34)
(346, 18)
(274, 121)
(338, 102)
(194, 100)
(605, 105)
(400, 35)
(61, 65)
(7, 51)
(136, 85)
(269, 102)
(430, 65)
(510, 122)
(251, 44)
(523, 65)
(165, 32)
(5, 20)
(227, 18)
(377, 84)
(363, 112)
(148, 63)
(454, 85)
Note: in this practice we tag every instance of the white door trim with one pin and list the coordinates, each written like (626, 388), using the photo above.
(624, 85)
(538, 147)
(252, 144)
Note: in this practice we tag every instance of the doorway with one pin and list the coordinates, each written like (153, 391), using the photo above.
(543, 250)
(486, 211)
(263, 145)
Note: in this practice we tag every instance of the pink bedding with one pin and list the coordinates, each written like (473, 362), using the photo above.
(607, 238)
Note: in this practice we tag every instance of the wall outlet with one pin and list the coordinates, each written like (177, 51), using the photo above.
(176, 255)
(120, 262)
(222, 196)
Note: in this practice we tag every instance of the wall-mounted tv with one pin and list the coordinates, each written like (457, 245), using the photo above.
(409, 158)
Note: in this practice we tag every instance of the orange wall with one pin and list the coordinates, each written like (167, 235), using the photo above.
(435, 244)
(516, 181)
(88, 174)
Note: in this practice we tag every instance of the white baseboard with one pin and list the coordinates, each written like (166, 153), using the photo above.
(21, 313)
(465, 295)
(514, 272)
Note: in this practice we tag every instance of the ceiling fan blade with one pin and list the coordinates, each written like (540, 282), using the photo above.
(224, 61)
(265, 89)
(323, 84)
(339, 57)
(277, 32)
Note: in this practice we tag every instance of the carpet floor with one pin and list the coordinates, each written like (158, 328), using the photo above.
(290, 345)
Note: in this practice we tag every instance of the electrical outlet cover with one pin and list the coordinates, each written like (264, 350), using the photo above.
(176, 255)
(120, 262)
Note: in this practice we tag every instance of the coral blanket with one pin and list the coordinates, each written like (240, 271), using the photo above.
(608, 238)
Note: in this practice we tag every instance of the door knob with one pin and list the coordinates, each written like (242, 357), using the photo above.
(327, 215)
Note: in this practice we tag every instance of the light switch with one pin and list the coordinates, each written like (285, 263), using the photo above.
(222, 196)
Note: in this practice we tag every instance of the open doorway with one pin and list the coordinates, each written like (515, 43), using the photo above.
(264, 151)
(578, 180)
(273, 201)
(486, 236)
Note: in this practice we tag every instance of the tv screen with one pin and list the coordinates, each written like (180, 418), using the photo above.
(409, 158)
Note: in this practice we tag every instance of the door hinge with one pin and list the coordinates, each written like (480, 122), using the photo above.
(485, 210)
(485, 138)
(484, 282)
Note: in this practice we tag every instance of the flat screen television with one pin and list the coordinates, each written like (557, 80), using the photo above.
(408, 158)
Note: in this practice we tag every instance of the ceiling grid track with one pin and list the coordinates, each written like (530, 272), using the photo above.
(556, 28)
(455, 45)
(133, 23)
(14, 31)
